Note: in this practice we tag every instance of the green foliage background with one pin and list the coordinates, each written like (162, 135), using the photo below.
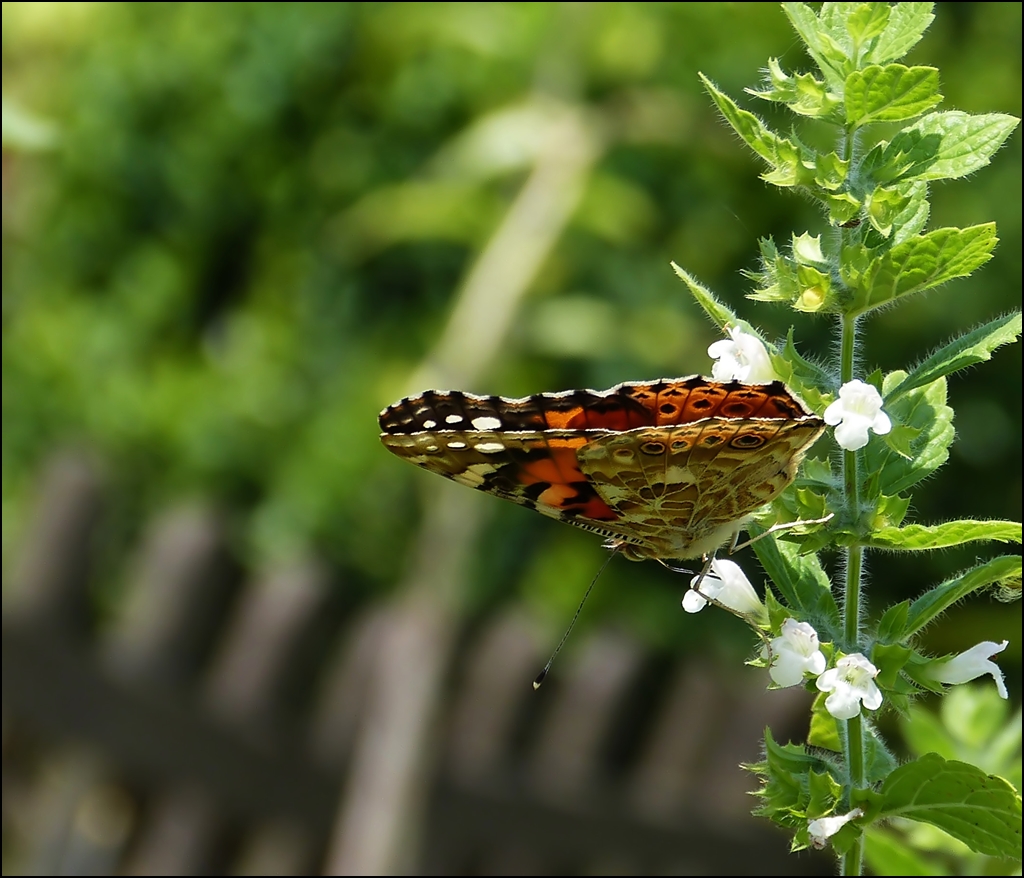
(247, 229)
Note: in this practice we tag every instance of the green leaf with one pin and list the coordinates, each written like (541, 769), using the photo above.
(890, 93)
(889, 511)
(866, 21)
(803, 93)
(824, 730)
(785, 773)
(914, 217)
(969, 349)
(720, 314)
(981, 810)
(776, 282)
(915, 537)
(1002, 570)
(886, 205)
(800, 579)
(789, 164)
(907, 24)
(842, 207)
(825, 793)
(967, 142)
(804, 377)
(830, 171)
(941, 146)
(827, 53)
(889, 658)
(924, 262)
(923, 409)
(892, 625)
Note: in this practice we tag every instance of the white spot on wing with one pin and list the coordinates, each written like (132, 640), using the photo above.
(489, 447)
(486, 422)
(453, 419)
(457, 446)
(429, 425)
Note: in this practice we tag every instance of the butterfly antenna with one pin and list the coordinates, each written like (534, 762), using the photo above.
(543, 674)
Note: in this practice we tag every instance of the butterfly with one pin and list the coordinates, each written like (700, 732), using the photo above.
(666, 469)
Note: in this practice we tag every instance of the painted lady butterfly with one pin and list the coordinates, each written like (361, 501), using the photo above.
(665, 469)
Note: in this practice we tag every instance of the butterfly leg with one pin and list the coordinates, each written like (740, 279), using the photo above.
(776, 528)
(749, 619)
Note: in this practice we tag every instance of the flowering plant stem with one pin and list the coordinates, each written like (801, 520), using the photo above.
(842, 787)
(851, 862)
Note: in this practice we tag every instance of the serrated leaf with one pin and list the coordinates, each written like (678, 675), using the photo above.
(867, 21)
(784, 156)
(830, 171)
(785, 773)
(968, 142)
(981, 810)
(885, 205)
(889, 511)
(922, 409)
(805, 378)
(941, 146)
(890, 94)
(916, 537)
(842, 207)
(825, 793)
(803, 93)
(907, 24)
(801, 580)
(914, 217)
(789, 758)
(1000, 570)
(969, 349)
(819, 471)
(827, 54)
(777, 279)
(893, 623)
(901, 439)
(922, 263)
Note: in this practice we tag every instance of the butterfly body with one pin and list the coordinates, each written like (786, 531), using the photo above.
(665, 469)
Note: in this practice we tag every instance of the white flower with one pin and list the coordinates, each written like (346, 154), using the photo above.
(727, 584)
(741, 357)
(851, 682)
(794, 654)
(823, 828)
(858, 409)
(971, 664)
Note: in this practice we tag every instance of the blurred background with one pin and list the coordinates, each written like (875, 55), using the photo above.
(239, 636)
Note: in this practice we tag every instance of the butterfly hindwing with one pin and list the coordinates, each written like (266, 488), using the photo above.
(671, 467)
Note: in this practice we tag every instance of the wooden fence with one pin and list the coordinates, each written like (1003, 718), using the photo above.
(207, 727)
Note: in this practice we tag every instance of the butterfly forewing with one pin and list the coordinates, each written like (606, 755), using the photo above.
(668, 467)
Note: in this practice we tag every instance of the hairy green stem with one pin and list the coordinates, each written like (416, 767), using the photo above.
(852, 861)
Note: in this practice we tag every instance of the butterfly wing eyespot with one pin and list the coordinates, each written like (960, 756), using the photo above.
(747, 441)
(664, 469)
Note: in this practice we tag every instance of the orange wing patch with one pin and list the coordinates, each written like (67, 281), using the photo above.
(667, 469)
